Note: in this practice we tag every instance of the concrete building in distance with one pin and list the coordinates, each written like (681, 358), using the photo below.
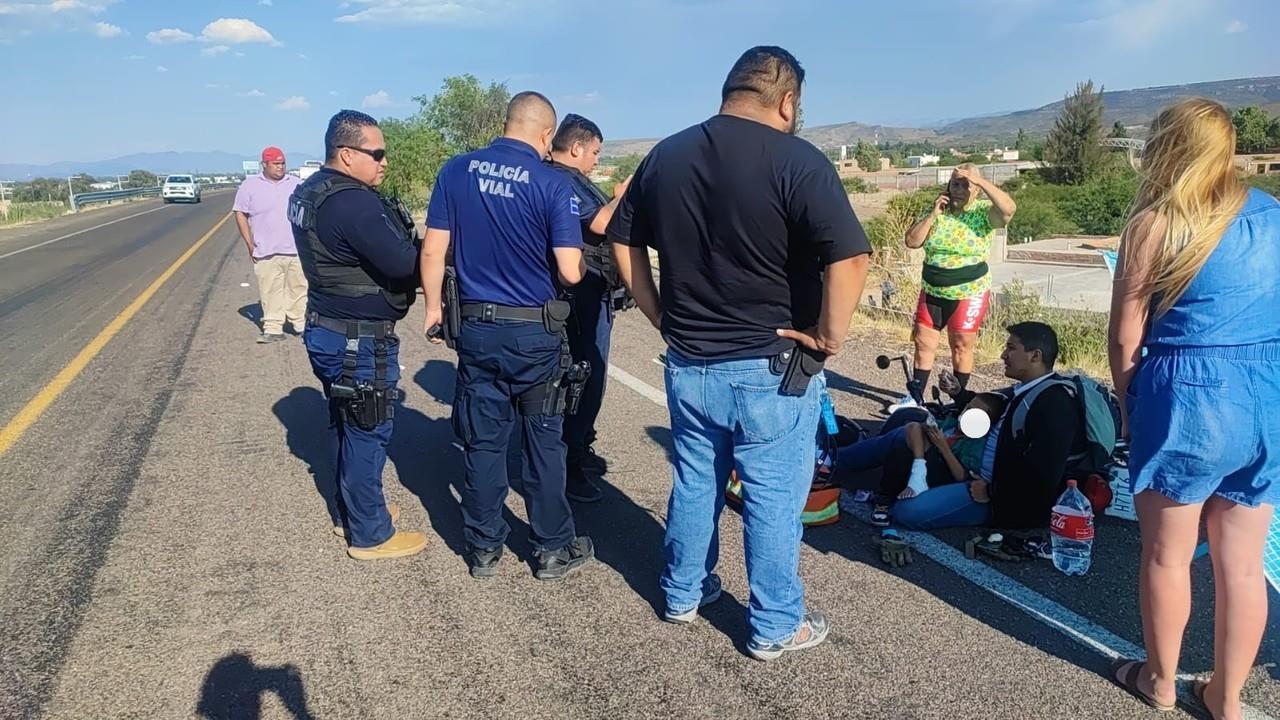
(922, 160)
(1259, 164)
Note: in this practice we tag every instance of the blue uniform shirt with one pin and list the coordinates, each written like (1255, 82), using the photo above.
(505, 212)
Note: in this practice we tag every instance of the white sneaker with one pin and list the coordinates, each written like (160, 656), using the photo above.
(906, 402)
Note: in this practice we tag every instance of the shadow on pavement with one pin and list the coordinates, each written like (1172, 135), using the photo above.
(252, 313)
(843, 383)
(304, 413)
(430, 465)
(234, 687)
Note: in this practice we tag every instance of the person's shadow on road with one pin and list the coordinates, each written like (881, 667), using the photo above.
(234, 688)
(428, 461)
(304, 413)
(252, 313)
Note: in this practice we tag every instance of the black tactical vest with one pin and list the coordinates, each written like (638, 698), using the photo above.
(329, 274)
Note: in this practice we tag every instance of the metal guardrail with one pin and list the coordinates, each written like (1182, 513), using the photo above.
(80, 199)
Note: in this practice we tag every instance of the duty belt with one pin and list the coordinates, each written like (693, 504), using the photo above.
(489, 312)
(363, 328)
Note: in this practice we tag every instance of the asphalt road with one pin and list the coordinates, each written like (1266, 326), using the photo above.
(167, 553)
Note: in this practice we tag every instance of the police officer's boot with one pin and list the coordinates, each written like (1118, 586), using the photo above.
(559, 564)
(401, 544)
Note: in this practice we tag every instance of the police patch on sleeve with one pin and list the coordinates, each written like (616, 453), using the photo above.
(573, 205)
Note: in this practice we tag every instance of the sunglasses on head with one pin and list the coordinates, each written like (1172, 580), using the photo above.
(377, 155)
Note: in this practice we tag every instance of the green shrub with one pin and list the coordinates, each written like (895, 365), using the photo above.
(1266, 183)
(859, 185)
(1036, 219)
(1101, 206)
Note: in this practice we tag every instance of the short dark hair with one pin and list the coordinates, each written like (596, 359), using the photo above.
(575, 129)
(1037, 336)
(765, 73)
(345, 129)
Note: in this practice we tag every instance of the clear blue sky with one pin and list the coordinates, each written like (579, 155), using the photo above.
(93, 79)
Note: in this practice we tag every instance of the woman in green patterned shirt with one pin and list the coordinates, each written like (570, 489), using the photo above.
(956, 283)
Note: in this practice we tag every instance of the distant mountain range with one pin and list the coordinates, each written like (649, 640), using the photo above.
(160, 163)
(1134, 108)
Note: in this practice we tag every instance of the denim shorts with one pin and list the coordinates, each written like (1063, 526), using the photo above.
(1205, 421)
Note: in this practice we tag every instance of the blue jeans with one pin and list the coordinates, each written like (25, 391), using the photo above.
(589, 329)
(497, 363)
(728, 415)
(947, 506)
(361, 454)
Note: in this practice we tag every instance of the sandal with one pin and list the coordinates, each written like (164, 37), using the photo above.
(1130, 682)
(880, 515)
(1197, 689)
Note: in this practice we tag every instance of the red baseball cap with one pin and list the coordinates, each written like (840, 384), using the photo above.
(272, 154)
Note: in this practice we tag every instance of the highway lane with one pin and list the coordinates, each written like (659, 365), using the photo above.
(166, 552)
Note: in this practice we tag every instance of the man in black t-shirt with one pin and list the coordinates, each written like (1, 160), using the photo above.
(760, 252)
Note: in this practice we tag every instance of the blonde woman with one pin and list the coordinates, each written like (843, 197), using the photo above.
(956, 283)
(1197, 285)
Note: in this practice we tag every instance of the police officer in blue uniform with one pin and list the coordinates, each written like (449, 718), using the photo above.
(575, 151)
(512, 223)
(360, 254)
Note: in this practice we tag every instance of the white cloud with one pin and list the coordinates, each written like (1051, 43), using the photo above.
(136, 57)
(215, 86)
(107, 30)
(252, 93)
(302, 56)
(161, 68)
(1237, 26)
(424, 12)
(236, 31)
(334, 93)
(588, 98)
(67, 5)
(214, 51)
(169, 36)
(379, 99)
(265, 2)
(26, 19)
(239, 54)
(1137, 25)
(297, 102)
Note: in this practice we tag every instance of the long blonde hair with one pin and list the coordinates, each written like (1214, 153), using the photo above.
(1191, 191)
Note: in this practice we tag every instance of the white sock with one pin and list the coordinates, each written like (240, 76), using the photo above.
(919, 472)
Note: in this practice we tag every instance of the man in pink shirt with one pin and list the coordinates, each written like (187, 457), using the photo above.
(260, 208)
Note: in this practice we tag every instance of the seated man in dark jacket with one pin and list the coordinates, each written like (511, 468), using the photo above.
(1020, 477)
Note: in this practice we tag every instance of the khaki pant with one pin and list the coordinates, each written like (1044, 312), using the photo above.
(283, 290)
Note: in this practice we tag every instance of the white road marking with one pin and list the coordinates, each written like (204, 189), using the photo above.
(81, 232)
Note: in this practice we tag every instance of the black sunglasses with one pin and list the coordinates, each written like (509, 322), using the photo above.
(377, 155)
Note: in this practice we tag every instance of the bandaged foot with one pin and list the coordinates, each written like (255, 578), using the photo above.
(918, 480)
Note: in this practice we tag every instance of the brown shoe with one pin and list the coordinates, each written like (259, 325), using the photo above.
(402, 544)
(392, 509)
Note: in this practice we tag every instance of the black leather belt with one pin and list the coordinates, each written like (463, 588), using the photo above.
(489, 312)
(363, 328)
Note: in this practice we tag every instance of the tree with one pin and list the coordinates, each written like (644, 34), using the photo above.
(1022, 143)
(1072, 146)
(465, 113)
(140, 179)
(417, 151)
(867, 155)
(623, 168)
(1256, 131)
(1118, 130)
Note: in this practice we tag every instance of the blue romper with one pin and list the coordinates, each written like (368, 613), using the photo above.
(1204, 404)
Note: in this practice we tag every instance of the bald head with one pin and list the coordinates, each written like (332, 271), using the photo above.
(531, 118)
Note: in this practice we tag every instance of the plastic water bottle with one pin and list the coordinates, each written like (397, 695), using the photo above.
(1071, 531)
(829, 415)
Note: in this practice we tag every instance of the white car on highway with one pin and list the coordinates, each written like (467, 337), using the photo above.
(180, 187)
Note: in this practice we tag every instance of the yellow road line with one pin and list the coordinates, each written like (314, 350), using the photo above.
(31, 412)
